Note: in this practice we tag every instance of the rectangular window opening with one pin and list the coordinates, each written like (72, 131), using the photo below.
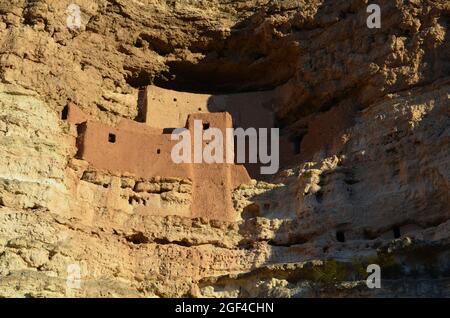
(112, 138)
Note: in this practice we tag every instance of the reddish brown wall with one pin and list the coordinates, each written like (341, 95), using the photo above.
(144, 149)
(168, 108)
(146, 152)
(144, 155)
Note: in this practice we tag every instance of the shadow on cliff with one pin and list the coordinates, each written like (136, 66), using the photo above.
(248, 59)
(435, 62)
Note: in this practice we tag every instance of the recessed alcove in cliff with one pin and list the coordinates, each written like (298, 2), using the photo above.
(143, 147)
(235, 59)
(169, 109)
(225, 72)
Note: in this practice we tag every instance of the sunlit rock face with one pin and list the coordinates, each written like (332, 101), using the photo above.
(366, 110)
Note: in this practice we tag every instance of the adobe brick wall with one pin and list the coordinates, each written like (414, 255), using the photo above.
(144, 148)
(142, 154)
(145, 152)
(168, 108)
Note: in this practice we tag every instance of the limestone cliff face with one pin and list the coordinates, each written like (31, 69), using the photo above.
(372, 107)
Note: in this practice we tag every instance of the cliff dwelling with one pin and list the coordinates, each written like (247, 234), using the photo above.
(142, 148)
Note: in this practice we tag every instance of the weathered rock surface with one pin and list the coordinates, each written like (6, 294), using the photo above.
(372, 107)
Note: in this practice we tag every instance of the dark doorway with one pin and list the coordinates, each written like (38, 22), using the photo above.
(340, 236)
(396, 231)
